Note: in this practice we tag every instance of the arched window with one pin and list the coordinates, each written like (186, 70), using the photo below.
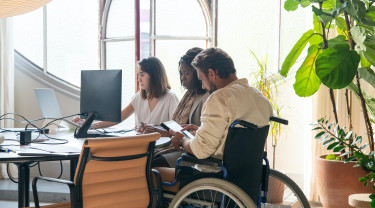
(67, 36)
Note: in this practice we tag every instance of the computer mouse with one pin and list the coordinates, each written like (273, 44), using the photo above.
(2, 138)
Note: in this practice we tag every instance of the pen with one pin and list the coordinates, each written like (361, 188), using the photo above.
(7, 150)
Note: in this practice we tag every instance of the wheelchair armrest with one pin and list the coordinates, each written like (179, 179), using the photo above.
(213, 162)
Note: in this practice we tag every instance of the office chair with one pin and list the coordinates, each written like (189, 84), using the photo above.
(111, 172)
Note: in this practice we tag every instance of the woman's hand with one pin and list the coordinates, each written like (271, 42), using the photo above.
(190, 127)
(78, 120)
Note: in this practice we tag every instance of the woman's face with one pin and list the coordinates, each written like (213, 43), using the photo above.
(186, 76)
(143, 78)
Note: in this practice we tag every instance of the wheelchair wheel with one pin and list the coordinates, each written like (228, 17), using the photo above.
(284, 192)
(210, 193)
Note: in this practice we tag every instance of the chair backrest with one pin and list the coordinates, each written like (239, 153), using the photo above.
(115, 172)
(243, 157)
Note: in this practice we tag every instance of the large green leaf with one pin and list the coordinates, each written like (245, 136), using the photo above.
(364, 62)
(291, 5)
(365, 44)
(307, 82)
(370, 101)
(371, 13)
(324, 16)
(295, 52)
(357, 10)
(368, 75)
(340, 22)
(338, 40)
(329, 4)
(305, 3)
(337, 66)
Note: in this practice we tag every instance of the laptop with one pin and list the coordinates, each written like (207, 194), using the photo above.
(49, 105)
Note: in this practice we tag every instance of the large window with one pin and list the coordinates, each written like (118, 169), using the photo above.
(68, 36)
(61, 38)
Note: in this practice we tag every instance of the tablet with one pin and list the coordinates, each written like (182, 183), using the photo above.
(175, 127)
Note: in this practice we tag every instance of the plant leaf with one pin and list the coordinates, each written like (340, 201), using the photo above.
(370, 101)
(307, 82)
(328, 141)
(319, 135)
(291, 5)
(365, 63)
(349, 159)
(305, 3)
(356, 140)
(365, 45)
(316, 128)
(339, 148)
(350, 133)
(333, 145)
(368, 75)
(324, 138)
(295, 52)
(316, 39)
(337, 66)
(356, 10)
(324, 16)
(340, 22)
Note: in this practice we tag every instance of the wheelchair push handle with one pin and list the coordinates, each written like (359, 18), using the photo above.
(279, 120)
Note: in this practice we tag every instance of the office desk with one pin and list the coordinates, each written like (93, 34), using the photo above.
(23, 162)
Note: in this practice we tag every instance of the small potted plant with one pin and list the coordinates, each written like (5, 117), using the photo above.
(267, 83)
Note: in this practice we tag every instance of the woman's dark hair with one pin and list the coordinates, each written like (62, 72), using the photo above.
(216, 59)
(187, 58)
(159, 84)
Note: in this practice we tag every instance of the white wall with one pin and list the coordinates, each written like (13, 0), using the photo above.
(27, 105)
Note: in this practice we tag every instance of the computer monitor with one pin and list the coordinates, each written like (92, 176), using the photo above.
(100, 98)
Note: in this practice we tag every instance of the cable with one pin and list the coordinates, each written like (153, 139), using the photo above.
(10, 175)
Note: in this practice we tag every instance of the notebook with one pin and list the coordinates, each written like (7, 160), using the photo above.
(49, 105)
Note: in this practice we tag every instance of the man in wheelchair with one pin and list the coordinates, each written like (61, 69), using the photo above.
(231, 99)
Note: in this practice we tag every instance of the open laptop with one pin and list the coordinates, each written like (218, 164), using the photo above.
(49, 105)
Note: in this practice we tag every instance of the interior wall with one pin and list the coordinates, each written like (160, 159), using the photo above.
(27, 105)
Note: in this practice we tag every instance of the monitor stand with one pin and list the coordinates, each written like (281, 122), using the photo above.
(82, 132)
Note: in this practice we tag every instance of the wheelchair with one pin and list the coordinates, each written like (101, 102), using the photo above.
(243, 180)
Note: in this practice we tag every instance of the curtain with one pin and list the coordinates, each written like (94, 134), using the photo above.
(322, 107)
(6, 77)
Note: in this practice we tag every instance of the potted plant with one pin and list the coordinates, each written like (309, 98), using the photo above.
(267, 83)
(340, 61)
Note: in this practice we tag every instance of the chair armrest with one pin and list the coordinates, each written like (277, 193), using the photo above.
(35, 191)
(213, 162)
(67, 182)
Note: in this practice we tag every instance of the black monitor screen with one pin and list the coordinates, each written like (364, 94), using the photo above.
(100, 97)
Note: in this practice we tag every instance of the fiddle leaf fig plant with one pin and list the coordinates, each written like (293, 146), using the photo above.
(339, 52)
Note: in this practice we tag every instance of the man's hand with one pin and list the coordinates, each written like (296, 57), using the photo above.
(150, 129)
(176, 138)
(190, 127)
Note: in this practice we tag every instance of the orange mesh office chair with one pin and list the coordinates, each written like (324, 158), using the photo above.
(111, 172)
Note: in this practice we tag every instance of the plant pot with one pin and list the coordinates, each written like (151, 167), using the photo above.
(275, 192)
(337, 180)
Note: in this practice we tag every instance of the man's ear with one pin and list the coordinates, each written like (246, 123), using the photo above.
(211, 74)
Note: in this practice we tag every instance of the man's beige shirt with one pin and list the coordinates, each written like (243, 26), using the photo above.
(236, 101)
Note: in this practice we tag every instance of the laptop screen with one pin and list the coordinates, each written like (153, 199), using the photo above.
(48, 103)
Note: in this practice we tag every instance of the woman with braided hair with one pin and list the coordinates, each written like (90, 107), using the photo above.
(188, 110)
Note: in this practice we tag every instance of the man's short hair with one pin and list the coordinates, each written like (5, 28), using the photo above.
(216, 59)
